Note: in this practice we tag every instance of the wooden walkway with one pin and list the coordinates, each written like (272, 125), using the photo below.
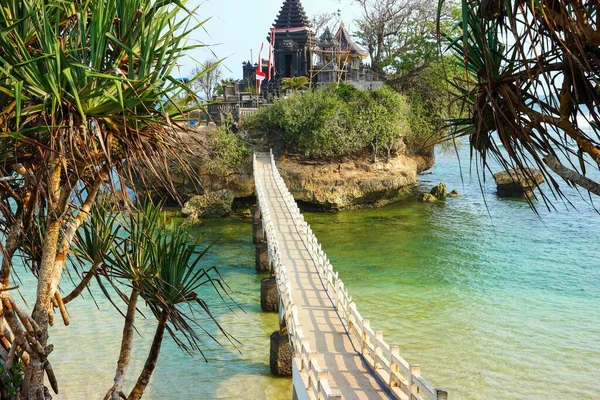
(336, 353)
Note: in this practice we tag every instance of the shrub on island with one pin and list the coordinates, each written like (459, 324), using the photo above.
(338, 121)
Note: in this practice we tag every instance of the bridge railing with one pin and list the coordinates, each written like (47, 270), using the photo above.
(402, 379)
(315, 378)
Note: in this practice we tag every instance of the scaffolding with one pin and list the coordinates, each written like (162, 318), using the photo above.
(332, 60)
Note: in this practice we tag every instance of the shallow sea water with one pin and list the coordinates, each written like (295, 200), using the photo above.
(494, 302)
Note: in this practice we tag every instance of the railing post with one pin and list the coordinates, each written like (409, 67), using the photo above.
(378, 338)
(366, 324)
(394, 352)
(441, 394)
(415, 370)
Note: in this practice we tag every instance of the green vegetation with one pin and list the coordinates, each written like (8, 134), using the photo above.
(156, 260)
(87, 97)
(295, 84)
(530, 85)
(342, 120)
(226, 150)
(402, 40)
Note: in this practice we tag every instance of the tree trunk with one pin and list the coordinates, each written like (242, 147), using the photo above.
(150, 365)
(571, 175)
(115, 392)
(43, 307)
(374, 144)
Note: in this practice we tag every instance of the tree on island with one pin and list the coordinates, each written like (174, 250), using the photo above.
(209, 74)
(402, 41)
(87, 97)
(530, 83)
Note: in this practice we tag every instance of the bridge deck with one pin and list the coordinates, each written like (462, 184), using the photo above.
(320, 321)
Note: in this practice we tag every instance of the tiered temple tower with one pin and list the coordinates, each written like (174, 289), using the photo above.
(292, 43)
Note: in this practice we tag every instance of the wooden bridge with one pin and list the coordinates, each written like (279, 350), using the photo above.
(336, 354)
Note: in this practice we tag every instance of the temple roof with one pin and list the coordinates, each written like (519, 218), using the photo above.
(291, 15)
(347, 44)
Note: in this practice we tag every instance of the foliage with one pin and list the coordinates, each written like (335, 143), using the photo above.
(209, 73)
(294, 83)
(221, 86)
(403, 43)
(11, 377)
(226, 150)
(530, 84)
(156, 259)
(432, 102)
(400, 35)
(86, 97)
(337, 121)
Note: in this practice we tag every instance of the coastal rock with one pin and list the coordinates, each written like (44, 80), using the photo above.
(199, 180)
(439, 191)
(518, 183)
(454, 193)
(210, 205)
(428, 198)
(352, 183)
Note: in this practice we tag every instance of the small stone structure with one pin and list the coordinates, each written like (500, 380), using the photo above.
(518, 183)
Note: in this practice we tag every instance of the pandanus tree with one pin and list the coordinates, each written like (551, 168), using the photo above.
(532, 80)
(86, 97)
(158, 262)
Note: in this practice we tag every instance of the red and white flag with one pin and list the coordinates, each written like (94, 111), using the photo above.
(260, 75)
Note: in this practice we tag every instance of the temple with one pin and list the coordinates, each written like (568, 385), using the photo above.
(297, 52)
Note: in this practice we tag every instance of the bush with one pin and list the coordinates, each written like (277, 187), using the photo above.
(337, 121)
(227, 151)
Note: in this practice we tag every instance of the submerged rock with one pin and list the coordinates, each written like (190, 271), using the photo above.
(518, 183)
(210, 205)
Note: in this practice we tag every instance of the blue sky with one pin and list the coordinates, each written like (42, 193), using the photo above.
(236, 26)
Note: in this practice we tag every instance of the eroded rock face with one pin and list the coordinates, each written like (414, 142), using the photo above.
(516, 183)
(351, 184)
(210, 205)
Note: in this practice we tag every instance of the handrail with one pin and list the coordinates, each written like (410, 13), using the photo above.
(315, 378)
(402, 379)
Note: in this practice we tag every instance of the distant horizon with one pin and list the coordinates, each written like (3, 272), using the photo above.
(237, 28)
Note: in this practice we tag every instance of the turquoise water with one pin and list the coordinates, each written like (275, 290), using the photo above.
(494, 302)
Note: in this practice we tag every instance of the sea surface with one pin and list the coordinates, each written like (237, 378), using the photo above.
(492, 299)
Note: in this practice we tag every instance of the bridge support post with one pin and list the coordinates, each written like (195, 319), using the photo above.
(280, 359)
(258, 237)
(269, 298)
(258, 233)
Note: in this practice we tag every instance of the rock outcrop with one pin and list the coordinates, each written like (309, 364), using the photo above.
(351, 184)
(210, 205)
(439, 191)
(518, 183)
